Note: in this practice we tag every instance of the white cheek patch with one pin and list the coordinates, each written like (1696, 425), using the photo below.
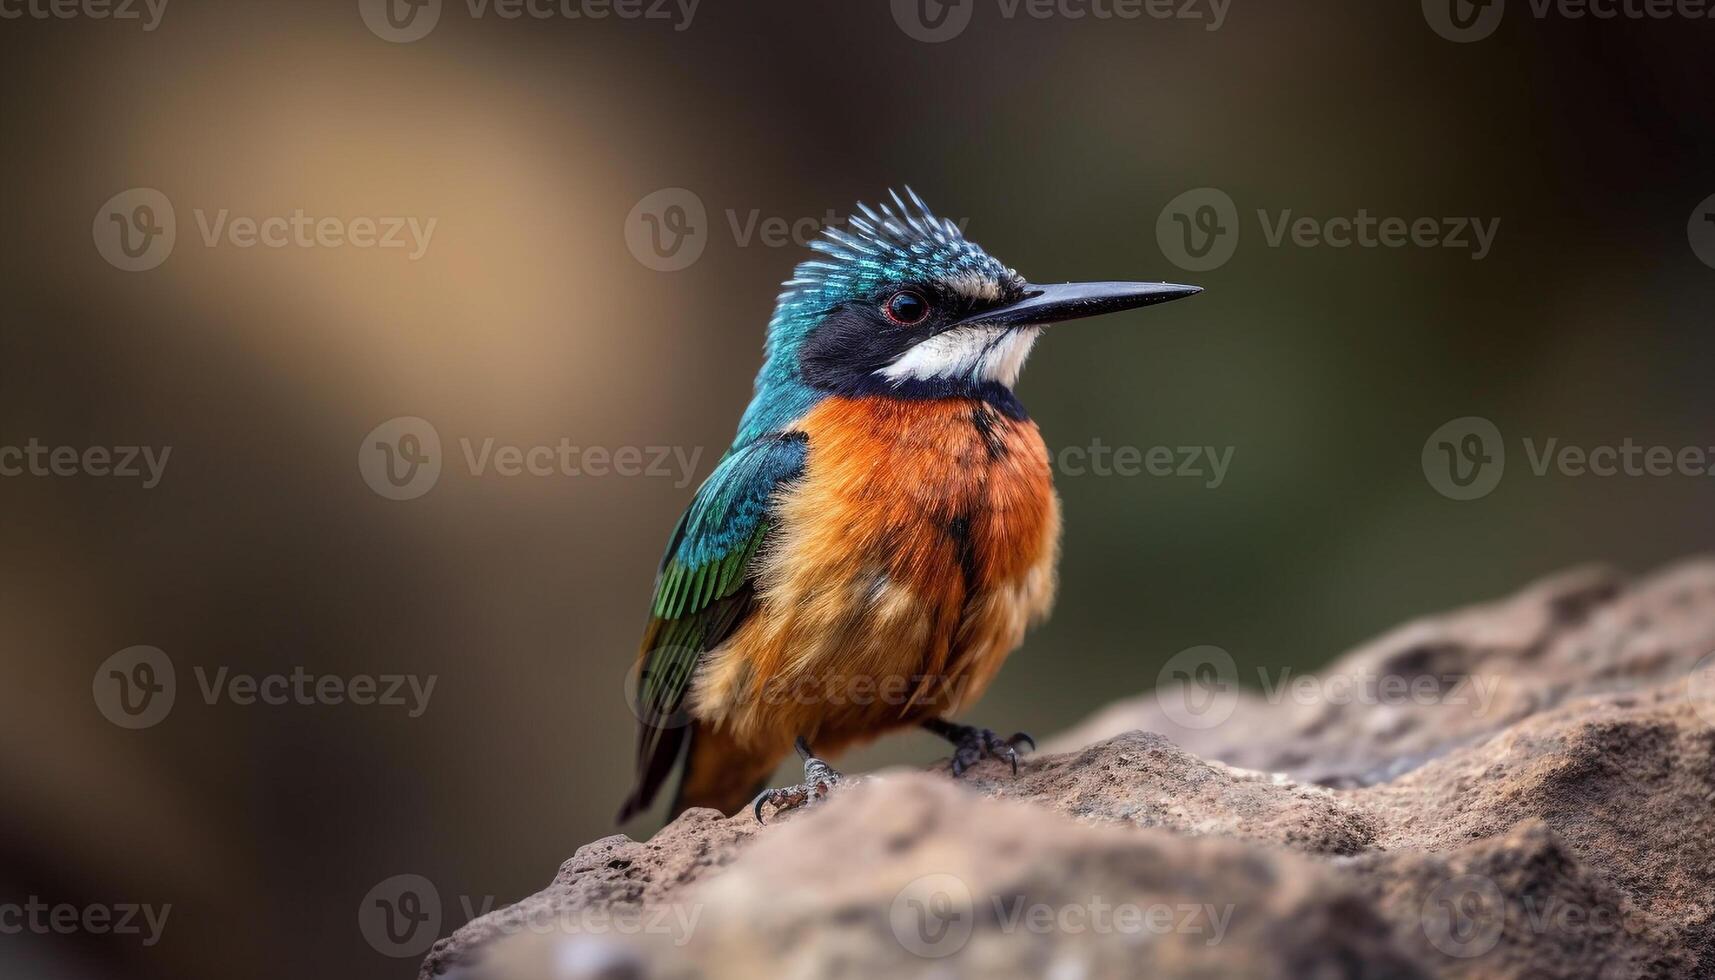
(976, 352)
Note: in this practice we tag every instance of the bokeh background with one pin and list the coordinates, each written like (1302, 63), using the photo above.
(528, 319)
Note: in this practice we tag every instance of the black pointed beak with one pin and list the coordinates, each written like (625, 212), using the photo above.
(1043, 305)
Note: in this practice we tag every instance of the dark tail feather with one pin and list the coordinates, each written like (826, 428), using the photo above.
(717, 772)
(679, 805)
(655, 759)
(720, 774)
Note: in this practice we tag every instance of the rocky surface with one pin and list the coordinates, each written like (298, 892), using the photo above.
(1520, 789)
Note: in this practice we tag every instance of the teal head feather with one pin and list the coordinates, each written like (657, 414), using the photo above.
(880, 249)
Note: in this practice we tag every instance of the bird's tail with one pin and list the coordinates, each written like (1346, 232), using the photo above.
(718, 773)
(655, 761)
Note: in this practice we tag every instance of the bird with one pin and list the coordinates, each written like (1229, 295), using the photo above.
(880, 534)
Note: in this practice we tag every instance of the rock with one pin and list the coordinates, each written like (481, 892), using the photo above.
(1482, 669)
(1624, 783)
(613, 875)
(1516, 905)
(1141, 778)
(922, 871)
(1527, 790)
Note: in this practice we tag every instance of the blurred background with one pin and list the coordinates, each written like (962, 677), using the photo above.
(569, 290)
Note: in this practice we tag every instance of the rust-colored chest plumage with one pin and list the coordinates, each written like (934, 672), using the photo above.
(899, 571)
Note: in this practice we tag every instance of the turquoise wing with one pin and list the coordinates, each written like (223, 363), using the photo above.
(703, 593)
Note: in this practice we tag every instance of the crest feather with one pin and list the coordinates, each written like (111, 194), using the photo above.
(897, 240)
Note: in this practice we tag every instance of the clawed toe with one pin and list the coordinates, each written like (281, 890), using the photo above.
(786, 798)
(972, 745)
(819, 780)
(1007, 749)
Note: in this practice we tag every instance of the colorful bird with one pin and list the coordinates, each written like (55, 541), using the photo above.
(881, 532)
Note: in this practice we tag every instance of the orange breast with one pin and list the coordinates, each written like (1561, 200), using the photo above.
(899, 572)
(955, 494)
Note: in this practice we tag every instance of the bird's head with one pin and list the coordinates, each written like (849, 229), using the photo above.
(901, 304)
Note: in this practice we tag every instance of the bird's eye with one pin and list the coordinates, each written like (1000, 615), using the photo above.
(906, 307)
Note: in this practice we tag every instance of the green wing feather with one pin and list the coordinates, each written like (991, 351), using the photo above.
(703, 593)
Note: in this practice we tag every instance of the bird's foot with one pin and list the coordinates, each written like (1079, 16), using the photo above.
(972, 745)
(819, 780)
